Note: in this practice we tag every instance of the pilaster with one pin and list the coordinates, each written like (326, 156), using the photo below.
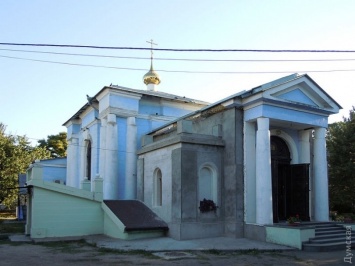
(72, 169)
(305, 152)
(111, 165)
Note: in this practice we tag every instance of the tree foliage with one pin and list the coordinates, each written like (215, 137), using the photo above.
(55, 144)
(16, 154)
(341, 160)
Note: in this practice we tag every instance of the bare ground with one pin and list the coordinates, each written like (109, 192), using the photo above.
(82, 253)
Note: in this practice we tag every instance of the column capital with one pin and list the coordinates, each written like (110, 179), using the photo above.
(319, 133)
(111, 119)
(73, 140)
(103, 121)
(263, 123)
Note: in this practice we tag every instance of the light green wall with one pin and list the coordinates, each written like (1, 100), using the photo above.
(289, 236)
(57, 211)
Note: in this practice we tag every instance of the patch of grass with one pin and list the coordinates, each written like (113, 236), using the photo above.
(214, 252)
(71, 247)
(250, 252)
(8, 242)
(12, 227)
(7, 215)
(144, 253)
(284, 255)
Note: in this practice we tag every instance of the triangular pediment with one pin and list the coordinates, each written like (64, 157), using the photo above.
(302, 91)
(297, 95)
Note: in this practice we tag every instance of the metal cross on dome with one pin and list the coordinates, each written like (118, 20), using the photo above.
(151, 48)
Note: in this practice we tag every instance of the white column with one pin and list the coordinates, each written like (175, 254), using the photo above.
(131, 159)
(305, 147)
(72, 162)
(321, 201)
(264, 213)
(111, 164)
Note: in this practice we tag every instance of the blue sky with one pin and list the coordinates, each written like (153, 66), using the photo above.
(37, 97)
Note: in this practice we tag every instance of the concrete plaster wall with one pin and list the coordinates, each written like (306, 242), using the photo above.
(231, 122)
(187, 221)
(158, 159)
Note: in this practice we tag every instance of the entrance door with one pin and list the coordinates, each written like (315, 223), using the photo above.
(299, 191)
(290, 184)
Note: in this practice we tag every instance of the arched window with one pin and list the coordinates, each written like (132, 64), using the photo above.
(207, 183)
(157, 188)
(88, 160)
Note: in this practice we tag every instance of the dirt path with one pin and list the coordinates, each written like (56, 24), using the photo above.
(81, 253)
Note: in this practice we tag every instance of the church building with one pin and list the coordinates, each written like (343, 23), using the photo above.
(202, 170)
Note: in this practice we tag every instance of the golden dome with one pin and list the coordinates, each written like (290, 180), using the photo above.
(151, 77)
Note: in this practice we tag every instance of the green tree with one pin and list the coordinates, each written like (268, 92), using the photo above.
(341, 160)
(16, 154)
(55, 144)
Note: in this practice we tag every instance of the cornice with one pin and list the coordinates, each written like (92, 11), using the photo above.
(127, 113)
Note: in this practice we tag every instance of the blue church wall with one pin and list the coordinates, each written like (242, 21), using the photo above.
(158, 108)
(54, 169)
(143, 127)
(175, 111)
(88, 118)
(279, 113)
(122, 131)
(150, 108)
(121, 102)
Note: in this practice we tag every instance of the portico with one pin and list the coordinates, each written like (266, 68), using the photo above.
(286, 172)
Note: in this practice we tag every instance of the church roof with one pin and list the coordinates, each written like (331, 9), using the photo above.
(159, 94)
(281, 81)
(249, 93)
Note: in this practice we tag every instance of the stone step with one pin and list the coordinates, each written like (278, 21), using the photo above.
(326, 246)
(332, 235)
(330, 230)
(320, 224)
(331, 239)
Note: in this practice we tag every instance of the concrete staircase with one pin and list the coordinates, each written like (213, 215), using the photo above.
(131, 219)
(329, 237)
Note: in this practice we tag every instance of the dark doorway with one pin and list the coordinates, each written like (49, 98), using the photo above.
(290, 185)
